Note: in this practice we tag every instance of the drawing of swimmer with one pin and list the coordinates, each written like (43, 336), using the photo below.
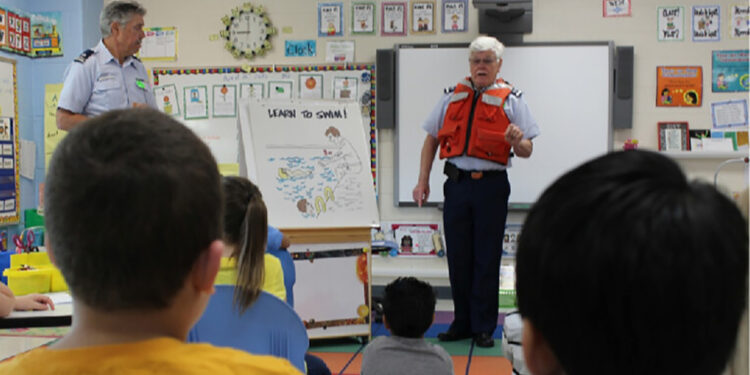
(310, 210)
(344, 157)
(293, 174)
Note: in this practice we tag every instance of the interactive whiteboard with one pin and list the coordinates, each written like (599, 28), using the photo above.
(567, 87)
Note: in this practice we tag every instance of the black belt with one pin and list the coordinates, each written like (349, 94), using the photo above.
(456, 173)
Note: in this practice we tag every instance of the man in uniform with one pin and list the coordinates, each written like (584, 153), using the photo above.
(109, 76)
(476, 125)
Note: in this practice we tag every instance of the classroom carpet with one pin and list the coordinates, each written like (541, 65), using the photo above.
(344, 356)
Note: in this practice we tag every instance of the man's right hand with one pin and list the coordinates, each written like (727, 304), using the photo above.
(420, 193)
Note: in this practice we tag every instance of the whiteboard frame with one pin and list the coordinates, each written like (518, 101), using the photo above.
(402, 196)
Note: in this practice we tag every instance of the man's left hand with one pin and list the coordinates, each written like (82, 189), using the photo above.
(513, 135)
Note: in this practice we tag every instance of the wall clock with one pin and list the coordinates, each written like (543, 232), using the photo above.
(248, 31)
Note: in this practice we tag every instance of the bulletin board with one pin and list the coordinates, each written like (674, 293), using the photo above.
(207, 99)
(9, 185)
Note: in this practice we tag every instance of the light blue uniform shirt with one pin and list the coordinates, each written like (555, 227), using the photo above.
(515, 108)
(100, 84)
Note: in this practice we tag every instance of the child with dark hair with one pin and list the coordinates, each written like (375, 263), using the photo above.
(408, 311)
(625, 267)
(134, 214)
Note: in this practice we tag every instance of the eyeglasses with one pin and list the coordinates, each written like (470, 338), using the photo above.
(482, 61)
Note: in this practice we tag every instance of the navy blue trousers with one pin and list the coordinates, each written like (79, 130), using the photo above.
(474, 222)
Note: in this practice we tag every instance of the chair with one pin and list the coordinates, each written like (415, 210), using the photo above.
(268, 327)
(290, 274)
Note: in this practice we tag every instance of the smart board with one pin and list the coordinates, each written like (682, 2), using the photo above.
(568, 87)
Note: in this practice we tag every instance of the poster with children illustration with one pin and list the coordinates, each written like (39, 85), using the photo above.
(706, 23)
(739, 21)
(671, 21)
(679, 86)
(166, 99)
(422, 17)
(363, 18)
(729, 71)
(310, 160)
(330, 19)
(454, 16)
(393, 19)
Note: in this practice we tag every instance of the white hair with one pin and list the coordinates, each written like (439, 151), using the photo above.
(487, 43)
(120, 12)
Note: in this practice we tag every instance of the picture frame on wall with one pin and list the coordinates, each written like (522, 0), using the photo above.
(330, 19)
(616, 8)
(455, 16)
(393, 18)
(363, 18)
(673, 136)
(422, 17)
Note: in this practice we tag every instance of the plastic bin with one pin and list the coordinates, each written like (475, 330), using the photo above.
(57, 282)
(23, 282)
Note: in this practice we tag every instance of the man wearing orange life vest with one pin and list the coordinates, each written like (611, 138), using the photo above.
(476, 125)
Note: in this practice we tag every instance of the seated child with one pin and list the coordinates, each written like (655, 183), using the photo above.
(246, 231)
(134, 212)
(9, 302)
(408, 311)
(625, 267)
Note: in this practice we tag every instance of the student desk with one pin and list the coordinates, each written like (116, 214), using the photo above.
(61, 316)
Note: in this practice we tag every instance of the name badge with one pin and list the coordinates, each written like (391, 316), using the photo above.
(140, 83)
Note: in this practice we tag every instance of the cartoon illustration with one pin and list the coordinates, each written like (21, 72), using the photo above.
(454, 20)
(665, 97)
(331, 29)
(323, 183)
(691, 98)
(194, 96)
(721, 84)
(167, 105)
(224, 90)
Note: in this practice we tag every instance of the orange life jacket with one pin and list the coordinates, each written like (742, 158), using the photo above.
(485, 132)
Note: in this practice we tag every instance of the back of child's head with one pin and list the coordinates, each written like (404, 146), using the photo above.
(133, 198)
(409, 307)
(245, 229)
(625, 267)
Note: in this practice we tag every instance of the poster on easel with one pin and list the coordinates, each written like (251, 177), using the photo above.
(9, 171)
(310, 160)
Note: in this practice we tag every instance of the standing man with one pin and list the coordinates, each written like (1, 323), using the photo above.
(109, 76)
(476, 125)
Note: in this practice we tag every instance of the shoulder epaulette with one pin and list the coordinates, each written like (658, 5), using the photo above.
(449, 89)
(85, 55)
(513, 90)
(135, 57)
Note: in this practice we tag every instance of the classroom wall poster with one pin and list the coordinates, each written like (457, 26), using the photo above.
(363, 18)
(224, 100)
(340, 51)
(160, 43)
(679, 86)
(739, 21)
(3, 26)
(299, 48)
(706, 23)
(616, 8)
(311, 86)
(393, 19)
(330, 19)
(52, 135)
(729, 71)
(251, 90)
(729, 114)
(671, 22)
(196, 102)
(454, 16)
(422, 17)
(167, 100)
(45, 34)
(280, 90)
(345, 87)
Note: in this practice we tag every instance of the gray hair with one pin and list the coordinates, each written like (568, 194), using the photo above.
(120, 12)
(487, 43)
